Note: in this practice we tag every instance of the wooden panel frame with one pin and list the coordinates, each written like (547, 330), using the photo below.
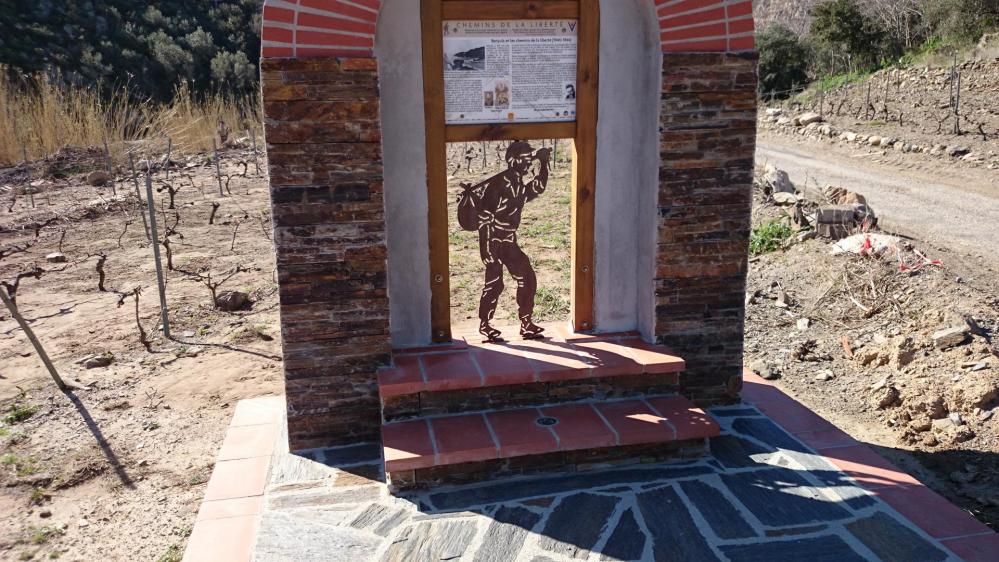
(510, 9)
(509, 132)
(584, 167)
(583, 132)
(432, 22)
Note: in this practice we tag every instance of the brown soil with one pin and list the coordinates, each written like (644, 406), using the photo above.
(119, 474)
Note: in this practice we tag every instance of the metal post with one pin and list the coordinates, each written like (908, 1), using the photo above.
(167, 163)
(957, 106)
(31, 337)
(138, 195)
(156, 254)
(253, 135)
(107, 155)
(218, 173)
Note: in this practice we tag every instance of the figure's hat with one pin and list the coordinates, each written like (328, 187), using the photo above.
(518, 148)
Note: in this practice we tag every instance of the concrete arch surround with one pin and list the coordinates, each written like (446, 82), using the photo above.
(400, 72)
(627, 168)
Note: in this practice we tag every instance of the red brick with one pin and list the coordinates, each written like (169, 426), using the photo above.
(608, 359)
(580, 427)
(654, 359)
(930, 512)
(634, 422)
(519, 434)
(689, 422)
(407, 445)
(462, 439)
(868, 468)
(450, 371)
(980, 548)
(405, 377)
(503, 365)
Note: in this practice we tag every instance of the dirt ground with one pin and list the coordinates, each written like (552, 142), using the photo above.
(119, 473)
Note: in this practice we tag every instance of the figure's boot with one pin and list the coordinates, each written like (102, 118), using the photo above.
(529, 330)
(490, 333)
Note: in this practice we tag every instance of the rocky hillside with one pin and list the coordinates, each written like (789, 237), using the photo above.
(792, 14)
(908, 110)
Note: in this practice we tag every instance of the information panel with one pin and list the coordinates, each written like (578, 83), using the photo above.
(510, 71)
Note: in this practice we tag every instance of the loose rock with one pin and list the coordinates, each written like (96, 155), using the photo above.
(98, 178)
(231, 301)
(951, 337)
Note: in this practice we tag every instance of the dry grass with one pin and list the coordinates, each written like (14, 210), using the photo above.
(38, 116)
(544, 234)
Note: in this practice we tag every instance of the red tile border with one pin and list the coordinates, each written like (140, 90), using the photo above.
(688, 421)
(932, 513)
(635, 422)
(248, 442)
(226, 522)
(979, 548)
(500, 367)
(519, 434)
(408, 445)
(609, 359)
(222, 540)
(794, 417)
(236, 507)
(580, 426)
(826, 439)
(462, 439)
(259, 411)
(478, 365)
(238, 478)
(450, 371)
(868, 468)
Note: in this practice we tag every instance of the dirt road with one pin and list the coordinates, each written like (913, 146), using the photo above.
(952, 208)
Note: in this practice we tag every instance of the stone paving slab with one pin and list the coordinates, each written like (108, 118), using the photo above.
(761, 495)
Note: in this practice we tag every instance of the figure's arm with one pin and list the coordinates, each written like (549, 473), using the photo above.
(540, 181)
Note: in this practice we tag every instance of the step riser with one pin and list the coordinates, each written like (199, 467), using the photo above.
(526, 395)
(548, 463)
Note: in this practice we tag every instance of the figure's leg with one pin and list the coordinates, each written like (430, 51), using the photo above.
(527, 286)
(491, 292)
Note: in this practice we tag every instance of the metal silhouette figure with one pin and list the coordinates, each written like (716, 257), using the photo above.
(494, 208)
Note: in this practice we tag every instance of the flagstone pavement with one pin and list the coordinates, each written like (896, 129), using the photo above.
(762, 494)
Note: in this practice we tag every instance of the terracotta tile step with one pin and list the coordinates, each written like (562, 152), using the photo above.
(428, 442)
(478, 365)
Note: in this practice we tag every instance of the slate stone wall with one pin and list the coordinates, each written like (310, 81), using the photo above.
(707, 145)
(323, 137)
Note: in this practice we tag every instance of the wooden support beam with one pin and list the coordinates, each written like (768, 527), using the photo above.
(510, 9)
(584, 167)
(512, 131)
(433, 107)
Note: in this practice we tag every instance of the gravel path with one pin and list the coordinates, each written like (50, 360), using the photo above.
(960, 211)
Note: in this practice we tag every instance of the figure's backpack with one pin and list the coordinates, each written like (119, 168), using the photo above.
(468, 212)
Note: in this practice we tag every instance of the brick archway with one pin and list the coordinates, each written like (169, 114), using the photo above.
(346, 28)
(323, 112)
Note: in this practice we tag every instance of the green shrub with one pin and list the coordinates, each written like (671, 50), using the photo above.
(769, 237)
(19, 412)
(784, 60)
